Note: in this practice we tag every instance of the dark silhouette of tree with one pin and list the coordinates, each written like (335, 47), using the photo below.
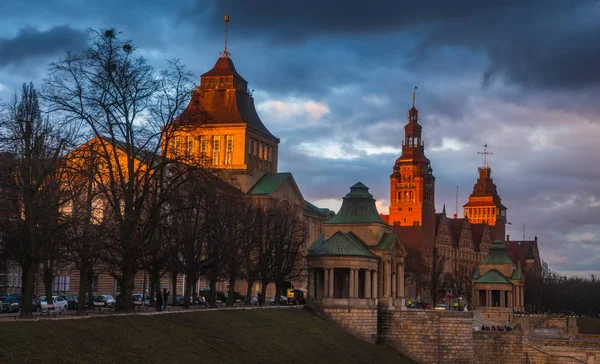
(33, 148)
(126, 106)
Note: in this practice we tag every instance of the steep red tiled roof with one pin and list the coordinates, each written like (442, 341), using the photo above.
(456, 226)
(410, 236)
(517, 250)
(385, 218)
(477, 234)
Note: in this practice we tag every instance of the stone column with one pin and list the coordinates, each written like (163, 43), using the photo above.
(331, 290)
(375, 284)
(309, 284)
(326, 282)
(351, 293)
(356, 285)
(400, 281)
(488, 298)
(387, 277)
(522, 298)
(393, 280)
(502, 298)
(367, 284)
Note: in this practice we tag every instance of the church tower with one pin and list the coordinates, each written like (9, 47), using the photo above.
(485, 205)
(412, 185)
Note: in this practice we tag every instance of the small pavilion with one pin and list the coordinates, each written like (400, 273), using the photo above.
(498, 285)
(358, 260)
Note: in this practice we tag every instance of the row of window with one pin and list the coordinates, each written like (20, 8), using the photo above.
(190, 146)
(480, 211)
(262, 151)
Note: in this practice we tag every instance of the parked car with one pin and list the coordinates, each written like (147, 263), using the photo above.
(179, 300)
(59, 304)
(104, 301)
(282, 300)
(71, 301)
(137, 299)
(110, 300)
(440, 306)
(14, 302)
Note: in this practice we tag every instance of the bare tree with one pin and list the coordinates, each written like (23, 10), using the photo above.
(126, 106)
(287, 237)
(435, 279)
(33, 148)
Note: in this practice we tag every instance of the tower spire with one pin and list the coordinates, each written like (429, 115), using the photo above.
(226, 18)
(414, 95)
(486, 156)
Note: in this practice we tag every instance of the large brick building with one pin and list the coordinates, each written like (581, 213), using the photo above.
(463, 242)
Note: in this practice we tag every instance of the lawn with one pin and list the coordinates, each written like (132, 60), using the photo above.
(232, 336)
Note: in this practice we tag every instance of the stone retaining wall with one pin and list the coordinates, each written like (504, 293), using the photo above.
(429, 336)
(360, 321)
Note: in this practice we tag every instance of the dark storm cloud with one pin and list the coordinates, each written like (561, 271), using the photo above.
(533, 43)
(31, 43)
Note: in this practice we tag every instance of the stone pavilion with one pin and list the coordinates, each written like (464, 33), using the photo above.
(498, 285)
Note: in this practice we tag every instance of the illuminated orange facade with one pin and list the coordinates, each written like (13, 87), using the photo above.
(412, 184)
(485, 205)
(221, 130)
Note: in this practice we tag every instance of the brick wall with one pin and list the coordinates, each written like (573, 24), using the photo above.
(429, 336)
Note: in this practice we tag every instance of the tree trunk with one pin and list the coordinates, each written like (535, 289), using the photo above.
(90, 290)
(213, 291)
(231, 293)
(174, 285)
(263, 291)
(277, 292)
(249, 291)
(48, 267)
(82, 286)
(194, 289)
(30, 272)
(124, 303)
(188, 292)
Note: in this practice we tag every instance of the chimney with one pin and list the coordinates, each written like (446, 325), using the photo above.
(507, 237)
(455, 216)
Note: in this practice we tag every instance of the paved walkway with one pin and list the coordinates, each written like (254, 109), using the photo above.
(72, 315)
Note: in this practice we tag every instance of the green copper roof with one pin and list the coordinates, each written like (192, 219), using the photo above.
(387, 242)
(340, 244)
(492, 276)
(358, 208)
(317, 210)
(497, 254)
(269, 183)
(516, 274)
(476, 274)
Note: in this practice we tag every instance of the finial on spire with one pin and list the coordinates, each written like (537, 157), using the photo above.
(414, 95)
(486, 156)
(226, 18)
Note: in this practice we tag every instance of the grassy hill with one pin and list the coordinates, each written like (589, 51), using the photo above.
(232, 336)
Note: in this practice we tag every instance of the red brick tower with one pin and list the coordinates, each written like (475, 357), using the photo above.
(412, 184)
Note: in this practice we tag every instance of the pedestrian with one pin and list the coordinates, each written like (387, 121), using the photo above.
(165, 298)
(260, 299)
(159, 301)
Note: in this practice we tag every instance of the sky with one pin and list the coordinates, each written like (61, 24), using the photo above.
(333, 80)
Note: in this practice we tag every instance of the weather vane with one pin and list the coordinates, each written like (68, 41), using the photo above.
(414, 96)
(225, 52)
(486, 155)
